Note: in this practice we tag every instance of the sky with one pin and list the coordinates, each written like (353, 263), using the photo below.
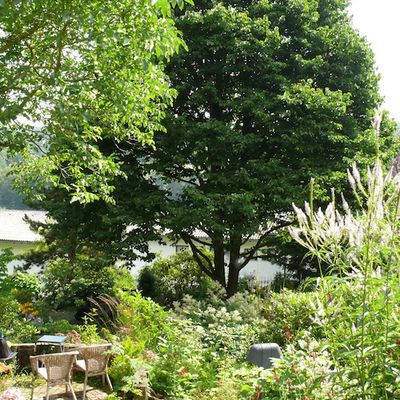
(379, 22)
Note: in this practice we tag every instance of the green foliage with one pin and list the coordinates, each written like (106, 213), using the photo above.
(6, 256)
(270, 94)
(59, 326)
(69, 285)
(126, 368)
(80, 73)
(12, 322)
(148, 320)
(8, 197)
(96, 231)
(355, 311)
(168, 280)
(23, 287)
(183, 355)
(88, 332)
(180, 369)
(123, 281)
(223, 331)
(233, 381)
(15, 290)
(306, 372)
(228, 328)
(287, 315)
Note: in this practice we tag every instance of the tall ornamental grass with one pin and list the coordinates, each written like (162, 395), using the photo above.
(352, 347)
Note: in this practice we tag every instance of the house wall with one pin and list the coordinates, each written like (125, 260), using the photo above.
(261, 269)
(17, 248)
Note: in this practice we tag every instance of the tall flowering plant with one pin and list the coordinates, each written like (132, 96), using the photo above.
(357, 307)
(354, 240)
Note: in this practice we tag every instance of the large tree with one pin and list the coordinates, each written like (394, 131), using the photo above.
(270, 94)
(75, 72)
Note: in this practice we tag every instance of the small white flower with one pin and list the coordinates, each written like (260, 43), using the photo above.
(12, 394)
(351, 180)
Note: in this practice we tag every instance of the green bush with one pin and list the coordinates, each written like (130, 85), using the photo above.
(286, 315)
(6, 256)
(227, 327)
(306, 372)
(168, 280)
(143, 319)
(355, 311)
(12, 323)
(69, 286)
(17, 291)
(23, 287)
(60, 326)
(186, 358)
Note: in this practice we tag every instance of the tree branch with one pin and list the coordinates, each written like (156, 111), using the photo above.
(197, 254)
(13, 40)
(199, 240)
(249, 255)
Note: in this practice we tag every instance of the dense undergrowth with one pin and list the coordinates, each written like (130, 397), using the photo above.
(340, 337)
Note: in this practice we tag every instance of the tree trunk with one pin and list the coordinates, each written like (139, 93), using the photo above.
(219, 263)
(233, 281)
(233, 267)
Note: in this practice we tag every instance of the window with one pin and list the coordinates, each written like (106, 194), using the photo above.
(181, 247)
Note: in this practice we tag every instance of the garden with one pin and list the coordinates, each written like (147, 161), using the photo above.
(243, 131)
(340, 333)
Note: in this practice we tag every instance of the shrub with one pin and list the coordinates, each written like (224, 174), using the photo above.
(186, 358)
(17, 292)
(69, 286)
(143, 319)
(13, 323)
(6, 256)
(306, 372)
(169, 279)
(22, 286)
(287, 314)
(60, 326)
(224, 331)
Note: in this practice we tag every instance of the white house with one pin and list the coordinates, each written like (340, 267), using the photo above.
(16, 234)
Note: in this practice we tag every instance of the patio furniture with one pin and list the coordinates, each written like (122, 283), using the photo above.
(93, 360)
(5, 353)
(260, 354)
(55, 369)
(24, 351)
(55, 340)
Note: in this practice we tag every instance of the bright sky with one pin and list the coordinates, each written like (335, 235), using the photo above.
(378, 21)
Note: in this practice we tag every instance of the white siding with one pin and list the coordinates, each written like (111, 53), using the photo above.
(260, 269)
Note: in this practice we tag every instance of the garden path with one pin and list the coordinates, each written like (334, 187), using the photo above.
(58, 393)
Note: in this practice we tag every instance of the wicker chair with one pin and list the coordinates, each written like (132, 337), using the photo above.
(55, 369)
(93, 360)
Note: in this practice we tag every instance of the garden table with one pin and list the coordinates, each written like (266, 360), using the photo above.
(54, 340)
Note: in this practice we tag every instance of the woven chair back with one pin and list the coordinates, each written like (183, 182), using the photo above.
(58, 366)
(96, 357)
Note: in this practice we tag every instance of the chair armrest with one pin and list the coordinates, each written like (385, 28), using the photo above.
(34, 364)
